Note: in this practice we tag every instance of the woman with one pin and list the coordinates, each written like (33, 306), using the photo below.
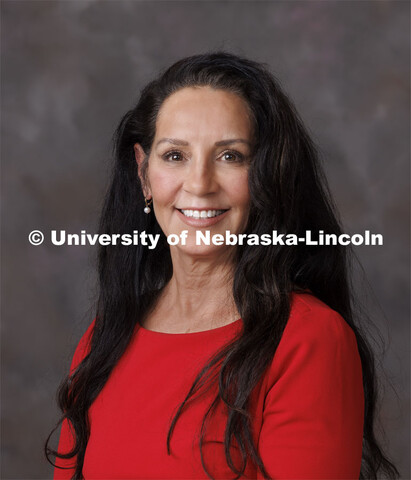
(219, 361)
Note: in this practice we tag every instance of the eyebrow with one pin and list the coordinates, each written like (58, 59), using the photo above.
(221, 143)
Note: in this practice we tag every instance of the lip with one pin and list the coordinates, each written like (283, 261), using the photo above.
(201, 222)
(200, 209)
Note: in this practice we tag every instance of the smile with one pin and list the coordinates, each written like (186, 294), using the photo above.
(202, 213)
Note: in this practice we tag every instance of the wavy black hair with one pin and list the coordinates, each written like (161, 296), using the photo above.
(288, 193)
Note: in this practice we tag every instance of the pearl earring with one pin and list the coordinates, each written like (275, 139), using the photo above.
(147, 208)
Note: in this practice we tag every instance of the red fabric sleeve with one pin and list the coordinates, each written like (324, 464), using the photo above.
(66, 441)
(313, 413)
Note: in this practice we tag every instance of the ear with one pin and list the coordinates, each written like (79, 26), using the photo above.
(140, 156)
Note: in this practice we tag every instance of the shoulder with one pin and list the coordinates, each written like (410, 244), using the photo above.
(315, 339)
(311, 319)
(83, 347)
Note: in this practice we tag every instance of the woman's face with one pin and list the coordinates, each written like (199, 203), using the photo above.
(197, 171)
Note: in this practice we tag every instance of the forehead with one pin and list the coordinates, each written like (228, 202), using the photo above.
(204, 111)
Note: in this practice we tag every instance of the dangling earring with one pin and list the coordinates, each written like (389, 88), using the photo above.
(147, 208)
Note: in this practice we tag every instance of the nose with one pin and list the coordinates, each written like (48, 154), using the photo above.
(200, 177)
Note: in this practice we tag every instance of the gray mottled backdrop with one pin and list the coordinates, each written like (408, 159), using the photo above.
(70, 69)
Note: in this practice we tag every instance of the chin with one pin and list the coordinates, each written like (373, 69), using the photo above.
(204, 251)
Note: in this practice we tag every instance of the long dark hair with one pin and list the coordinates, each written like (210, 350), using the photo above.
(289, 194)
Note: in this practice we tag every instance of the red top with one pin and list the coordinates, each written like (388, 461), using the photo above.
(307, 417)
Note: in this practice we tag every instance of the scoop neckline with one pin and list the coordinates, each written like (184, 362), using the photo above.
(211, 330)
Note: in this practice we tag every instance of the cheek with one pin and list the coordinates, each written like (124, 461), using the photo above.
(163, 185)
(239, 191)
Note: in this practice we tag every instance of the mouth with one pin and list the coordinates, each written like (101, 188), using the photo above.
(201, 213)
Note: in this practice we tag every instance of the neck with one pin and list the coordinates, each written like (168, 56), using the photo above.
(199, 294)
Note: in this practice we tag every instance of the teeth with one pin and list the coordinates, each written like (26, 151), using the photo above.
(202, 213)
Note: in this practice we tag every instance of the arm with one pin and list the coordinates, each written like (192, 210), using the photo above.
(66, 441)
(313, 413)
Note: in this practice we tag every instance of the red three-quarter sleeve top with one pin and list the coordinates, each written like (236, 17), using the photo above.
(307, 414)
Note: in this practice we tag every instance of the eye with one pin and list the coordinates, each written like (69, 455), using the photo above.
(174, 156)
(232, 156)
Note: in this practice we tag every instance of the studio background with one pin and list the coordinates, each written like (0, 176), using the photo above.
(71, 69)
